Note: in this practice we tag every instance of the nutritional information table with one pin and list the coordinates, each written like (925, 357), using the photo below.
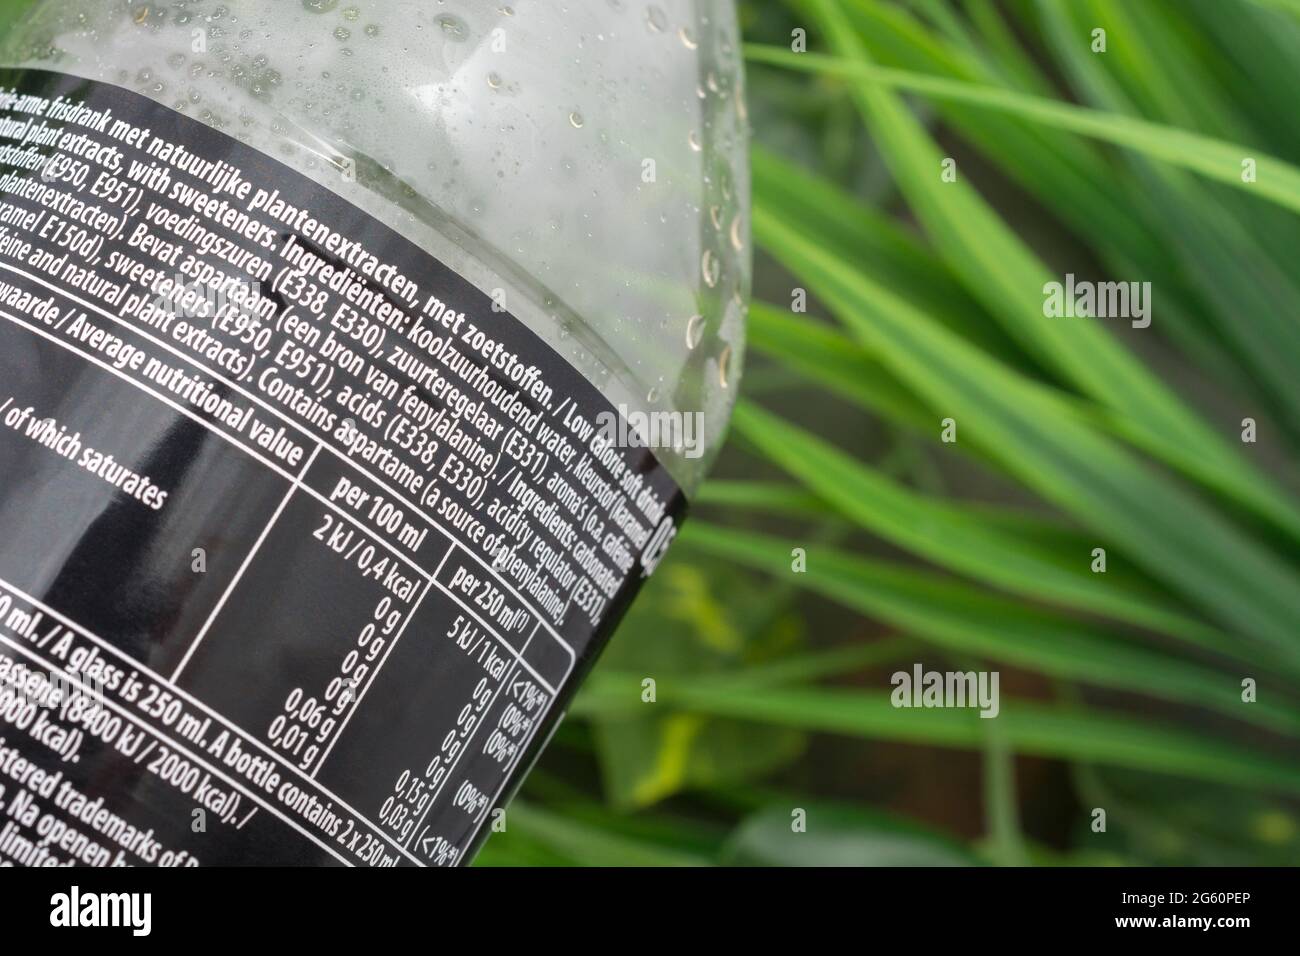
(388, 623)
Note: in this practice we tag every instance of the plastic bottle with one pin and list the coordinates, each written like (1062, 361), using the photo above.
(580, 167)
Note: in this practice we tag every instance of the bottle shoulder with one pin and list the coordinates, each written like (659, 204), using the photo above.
(585, 165)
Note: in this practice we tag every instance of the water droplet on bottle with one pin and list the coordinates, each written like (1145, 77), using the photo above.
(737, 236)
(656, 19)
(453, 27)
(694, 331)
(709, 268)
(575, 120)
(687, 38)
(693, 138)
(724, 366)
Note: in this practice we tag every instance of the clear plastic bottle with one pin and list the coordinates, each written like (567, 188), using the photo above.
(235, 505)
(589, 160)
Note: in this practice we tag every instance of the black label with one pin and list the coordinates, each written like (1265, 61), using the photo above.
(303, 543)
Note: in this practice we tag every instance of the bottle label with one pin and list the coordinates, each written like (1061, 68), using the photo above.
(304, 540)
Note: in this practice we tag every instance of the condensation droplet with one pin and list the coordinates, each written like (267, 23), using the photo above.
(687, 38)
(724, 366)
(694, 139)
(453, 27)
(656, 19)
(694, 331)
(737, 235)
(709, 268)
(575, 120)
(494, 81)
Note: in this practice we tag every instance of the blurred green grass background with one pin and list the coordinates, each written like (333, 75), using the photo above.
(1121, 690)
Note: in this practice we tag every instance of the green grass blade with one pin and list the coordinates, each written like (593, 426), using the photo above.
(1290, 6)
(590, 845)
(1256, 48)
(831, 360)
(800, 668)
(1036, 729)
(949, 535)
(769, 497)
(878, 246)
(1279, 181)
(1008, 53)
(973, 621)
